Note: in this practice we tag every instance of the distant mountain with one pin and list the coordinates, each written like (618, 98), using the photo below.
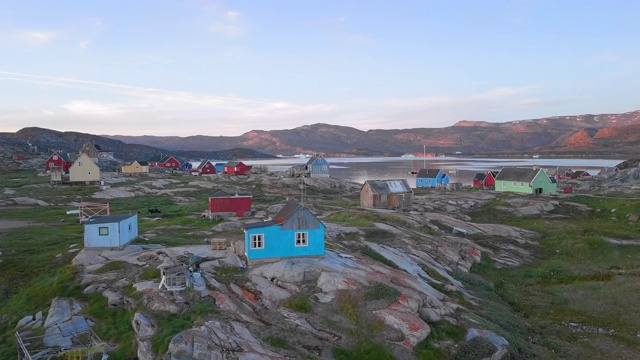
(605, 134)
(70, 142)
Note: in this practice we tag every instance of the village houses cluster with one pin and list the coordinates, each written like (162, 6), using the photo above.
(295, 230)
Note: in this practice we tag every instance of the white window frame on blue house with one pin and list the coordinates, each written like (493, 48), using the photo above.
(257, 241)
(103, 231)
(301, 239)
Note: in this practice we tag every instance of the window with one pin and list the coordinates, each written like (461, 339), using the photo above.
(302, 239)
(521, 184)
(55, 157)
(504, 183)
(513, 183)
(80, 163)
(130, 227)
(103, 231)
(51, 165)
(257, 241)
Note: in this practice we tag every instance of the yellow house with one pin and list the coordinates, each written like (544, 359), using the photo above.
(84, 170)
(136, 167)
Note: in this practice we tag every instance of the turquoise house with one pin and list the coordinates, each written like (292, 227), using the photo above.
(219, 167)
(317, 166)
(434, 178)
(293, 232)
(110, 231)
(525, 181)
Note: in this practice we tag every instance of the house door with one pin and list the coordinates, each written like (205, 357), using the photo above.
(538, 191)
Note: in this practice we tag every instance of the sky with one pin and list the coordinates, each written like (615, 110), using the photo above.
(223, 68)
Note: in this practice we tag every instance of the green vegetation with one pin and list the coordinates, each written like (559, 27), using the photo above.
(376, 256)
(169, 324)
(364, 350)
(276, 342)
(440, 331)
(381, 291)
(477, 348)
(111, 266)
(299, 303)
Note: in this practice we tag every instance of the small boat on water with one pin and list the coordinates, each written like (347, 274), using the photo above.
(414, 171)
(536, 156)
(408, 156)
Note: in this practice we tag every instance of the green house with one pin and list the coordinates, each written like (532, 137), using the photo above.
(525, 181)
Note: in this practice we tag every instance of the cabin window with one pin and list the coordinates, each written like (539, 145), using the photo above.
(51, 165)
(80, 163)
(257, 241)
(504, 183)
(55, 157)
(103, 231)
(130, 227)
(302, 239)
(521, 184)
(513, 183)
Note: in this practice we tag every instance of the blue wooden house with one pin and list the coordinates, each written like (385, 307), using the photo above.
(431, 178)
(219, 167)
(186, 165)
(110, 231)
(294, 231)
(316, 166)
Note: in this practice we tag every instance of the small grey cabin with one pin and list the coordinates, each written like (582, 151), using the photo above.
(110, 231)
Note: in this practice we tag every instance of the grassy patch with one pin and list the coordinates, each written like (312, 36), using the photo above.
(170, 325)
(440, 331)
(276, 342)
(111, 266)
(149, 273)
(381, 291)
(298, 303)
(364, 350)
(378, 257)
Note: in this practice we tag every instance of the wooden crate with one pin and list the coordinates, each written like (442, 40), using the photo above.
(218, 244)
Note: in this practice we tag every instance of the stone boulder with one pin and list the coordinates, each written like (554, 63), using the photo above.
(410, 324)
(144, 328)
(217, 340)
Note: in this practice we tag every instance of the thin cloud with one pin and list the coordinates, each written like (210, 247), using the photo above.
(36, 38)
(229, 24)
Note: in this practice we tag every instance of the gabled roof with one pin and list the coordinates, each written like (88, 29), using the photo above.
(108, 219)
(553, 179)
(396, 186)
(223, 194)
(428, 173)
(517, 174)
(142, 163)
(166, 158)
(494, 173)
(202, 164)
(480, 176)
(234, 163)
(290, 208)
(314, 158)
(155, 158)
(97, 147)
(63, 156)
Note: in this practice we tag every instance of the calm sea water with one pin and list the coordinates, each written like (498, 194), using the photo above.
(459, 169)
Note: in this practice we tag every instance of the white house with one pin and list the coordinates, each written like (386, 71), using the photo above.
(110, 231)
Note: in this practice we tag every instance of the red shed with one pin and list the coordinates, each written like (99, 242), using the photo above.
(236, 168)
(60, 161)
(207, 168)
(490, 180)
(223, 204)
(478, 179)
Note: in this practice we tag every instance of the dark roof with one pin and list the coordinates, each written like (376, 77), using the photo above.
(313, 159)
(258, 224)
(143, 163)
(479, 176)
(233, 163)
(494, 173)
(219, 163)
(394, 186)
(553, 179)
(428, 173)
(287, 210)
(97, 147)
(290, 208)
(155, 158)
(224, 194)
(517, 174)
(166, 158)
(202, 164)
(107, 219)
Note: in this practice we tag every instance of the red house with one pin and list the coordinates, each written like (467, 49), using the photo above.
(58, 161)
(478, 179)
(223, 204)
(207, 168)
(236, 168)
(490, 179)
(165, 162)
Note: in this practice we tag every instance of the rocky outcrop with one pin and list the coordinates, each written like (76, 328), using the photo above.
(144, 329)
(218, 340)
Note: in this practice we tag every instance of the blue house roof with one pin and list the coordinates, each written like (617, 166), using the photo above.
(107, 219)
